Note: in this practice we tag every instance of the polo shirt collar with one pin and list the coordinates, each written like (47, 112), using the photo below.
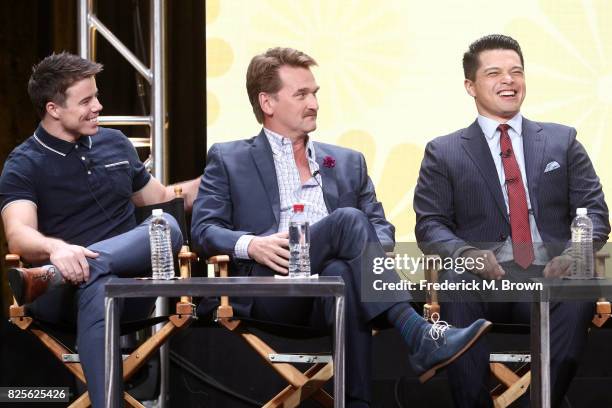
(57, 145)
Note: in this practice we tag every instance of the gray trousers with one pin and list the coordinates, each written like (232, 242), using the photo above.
(125, 255)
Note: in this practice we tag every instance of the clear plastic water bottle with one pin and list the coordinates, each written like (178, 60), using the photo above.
(582, 246)
(162, 263)
(299, 244)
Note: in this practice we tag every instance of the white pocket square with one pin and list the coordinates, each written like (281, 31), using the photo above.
(553, 165)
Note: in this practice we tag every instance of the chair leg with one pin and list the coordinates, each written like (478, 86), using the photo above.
(81, 402)
(131, 401)
(503, 374)
(135, 361)
(58, 350)
(323, 398)
(301, 385)
(517, 383)
(291, 374)
(291, 396)
(152, 344)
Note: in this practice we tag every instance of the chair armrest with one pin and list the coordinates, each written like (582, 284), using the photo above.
(15, 311)
(186, 256)
(217, 259)
(603, 309)
(185, 306)
(221, 263)
(225, 312)
(12, 260)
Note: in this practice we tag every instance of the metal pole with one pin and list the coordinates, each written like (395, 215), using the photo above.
(157, 89)
(121, 48)
(88, 23)
(88, 26)
(339, 344)
(112, 377)
(83, 27)
(158, 145)
(126, 120)
(540, 354)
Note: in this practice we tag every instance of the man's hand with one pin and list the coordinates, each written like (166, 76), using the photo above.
(558, 266)
(71, 262)
(490, 269)
(271, 251)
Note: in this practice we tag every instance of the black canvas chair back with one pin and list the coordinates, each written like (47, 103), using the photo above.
(174, 207)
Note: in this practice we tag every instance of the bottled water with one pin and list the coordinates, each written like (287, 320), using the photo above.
(299, 244)
(162, 263)
(582, 246)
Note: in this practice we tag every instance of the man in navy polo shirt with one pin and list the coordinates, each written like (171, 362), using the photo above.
(67, 196)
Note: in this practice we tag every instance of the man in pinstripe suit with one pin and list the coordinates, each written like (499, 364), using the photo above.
(505, 189)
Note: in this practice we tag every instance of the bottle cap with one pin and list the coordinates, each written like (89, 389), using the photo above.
(581, 211)
(157, 212)
(298, 207)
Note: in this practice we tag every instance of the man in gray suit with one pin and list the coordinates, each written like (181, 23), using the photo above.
(505, 190)
(245, 203)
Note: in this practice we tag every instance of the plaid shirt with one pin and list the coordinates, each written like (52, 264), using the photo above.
(290, 188)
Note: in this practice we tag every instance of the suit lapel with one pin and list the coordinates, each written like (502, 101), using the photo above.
(328, 178)
(262, 156)
(476, 147)
(534, 144)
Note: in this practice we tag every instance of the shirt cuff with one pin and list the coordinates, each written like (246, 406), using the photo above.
(242, 246)
(459, 252)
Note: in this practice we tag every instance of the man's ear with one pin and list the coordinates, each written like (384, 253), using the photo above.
(469, 87)
(52, 109)
(266, 102)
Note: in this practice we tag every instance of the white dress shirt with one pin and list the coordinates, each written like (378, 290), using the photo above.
(492, 135)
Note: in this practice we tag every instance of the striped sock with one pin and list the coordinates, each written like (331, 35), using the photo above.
(408, 322)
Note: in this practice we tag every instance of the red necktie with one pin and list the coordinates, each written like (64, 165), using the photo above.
(522, 246)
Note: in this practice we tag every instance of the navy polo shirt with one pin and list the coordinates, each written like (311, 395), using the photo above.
(81, 190)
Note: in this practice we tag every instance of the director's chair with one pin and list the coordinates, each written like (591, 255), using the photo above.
(512, 368)
(183, 316)
(302, 385)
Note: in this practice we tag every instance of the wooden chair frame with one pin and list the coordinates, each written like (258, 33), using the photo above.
(302, 385)
(513, 383)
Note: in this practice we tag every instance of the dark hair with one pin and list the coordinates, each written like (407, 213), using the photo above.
(262, 73)
(53, 75)
(471, 61)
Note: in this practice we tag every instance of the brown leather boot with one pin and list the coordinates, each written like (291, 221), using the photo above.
(28, 284)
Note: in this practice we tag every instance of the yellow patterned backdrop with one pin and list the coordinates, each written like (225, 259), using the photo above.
(391, 77)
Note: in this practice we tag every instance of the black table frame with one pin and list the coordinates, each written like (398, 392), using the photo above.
(206, 287)
(555, 290)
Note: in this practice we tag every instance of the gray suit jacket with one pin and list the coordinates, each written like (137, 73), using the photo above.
(458, 199)
(239, 193)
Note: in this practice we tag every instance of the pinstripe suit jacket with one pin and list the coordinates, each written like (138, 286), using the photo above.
(458, 199)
